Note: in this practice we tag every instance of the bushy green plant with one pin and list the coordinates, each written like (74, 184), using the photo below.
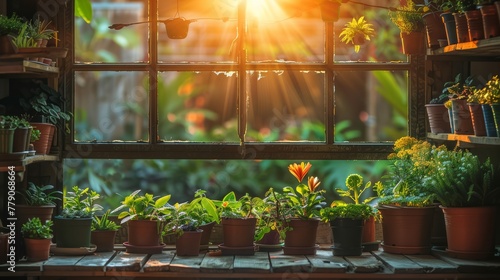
(356, 29)
(244, 207)
(34, 229)
(271, 215)
(407, 18)
(181, 219)
(23, 39)
(490, 93)
(10, 25)
(350, 211)
(142, 207)
(461, 180)
(203, 208)
(460, 88)
(103, 222)
(80, 203)
(40, 195)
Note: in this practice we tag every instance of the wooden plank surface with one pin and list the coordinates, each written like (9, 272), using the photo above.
(186, 264)
(66, 263)
(432, 264)
(95, 262)
(366, 263)
(471, 266)
(259, 263)
(289, 263)
(215, 263)
(159, 262)
(325, 261)
(124, 261)
(399, 263)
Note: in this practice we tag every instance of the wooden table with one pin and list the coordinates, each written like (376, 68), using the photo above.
(262, 265)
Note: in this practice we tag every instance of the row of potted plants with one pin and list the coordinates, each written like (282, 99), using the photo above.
(464, 108)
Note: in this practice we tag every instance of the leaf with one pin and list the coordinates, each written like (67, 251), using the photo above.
(162, 201)
(83, 9)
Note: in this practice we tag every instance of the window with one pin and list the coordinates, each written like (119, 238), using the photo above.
(250, 80)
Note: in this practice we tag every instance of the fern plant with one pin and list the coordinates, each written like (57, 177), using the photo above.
(356, 32)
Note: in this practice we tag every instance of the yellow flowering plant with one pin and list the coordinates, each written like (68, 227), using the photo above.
(303, 201)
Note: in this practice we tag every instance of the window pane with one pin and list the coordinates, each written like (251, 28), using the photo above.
(384, 46)
(197, 106)
(371, 106)
(286, 106)
(111, 106)
(95, 42)
(211, 31)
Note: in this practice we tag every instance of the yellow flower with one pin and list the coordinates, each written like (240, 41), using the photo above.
(299, 171)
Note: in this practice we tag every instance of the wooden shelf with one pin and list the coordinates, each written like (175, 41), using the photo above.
(472, 139)
(484, 48)
(21, 67)
(20, 165)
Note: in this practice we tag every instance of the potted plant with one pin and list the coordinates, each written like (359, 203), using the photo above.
(22, 133)
(438, 114)
(204, 210)
(409, 21)
(459, 90)
(39, 201)
(330, 9)
(460, 7)
(357, 32)
(434, 26)
(238, 219)
(346, 221)
(144, 215)
(182, 223)
(475, 103)
(469, 194)
(6, 135)
(354, 192)
(271, 226)
(73, 226)
(45, 105)
(37, 237)
(404, 202)
(301, 209)
(9, 26)
(103, 232)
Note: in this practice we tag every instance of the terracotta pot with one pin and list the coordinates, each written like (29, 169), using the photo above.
(43, 145)
(491, 26)
(439, 119)
(37, 249)
(25, 212)
(407, 230)
(413, 43)
(330, 11)
(143, 233)
(103, 239)
(489, 121)
(6, 45)
(368, 235)
(475, 25)
(302, 233)
(470, 231)
(177, 28)
(461, 26)
(205, 236)
(347, 235)
(476, 113)
(435, 29)
(188, 244)
(270, 238)
(238, 232)
(462, 122)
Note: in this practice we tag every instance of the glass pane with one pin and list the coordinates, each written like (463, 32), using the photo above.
(199, 31)
(197, 106)
(111, 106)
(95, 42)
(284, 31)
(286, 106)
(371, 106)
(384, 46)
(181, 178)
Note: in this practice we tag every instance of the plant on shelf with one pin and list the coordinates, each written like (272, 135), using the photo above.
(271, 226)
(184, 225)
(103, 222)
(356, 32)
(103, 232)
(73, 225)
(144, 215)
(459, 88)
(204, 210)
(37, 237)
(23, 38)
(40, 30)
(408, 19)
(10, 25)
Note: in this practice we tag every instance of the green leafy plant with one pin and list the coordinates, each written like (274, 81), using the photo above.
(356, 32)
(305, 201)
(103, 222)
(40, 29)
(459, 88)
(23, 39)
(40, 195)
(203, 208)
(244, 207)
(271, 216)
(80, 203)
(34, 229)
(10, 25)
(35, 135)
(407, 18)
(181, 219)
(350, 211)
(142, 207)
(490, 93)
(461, 180)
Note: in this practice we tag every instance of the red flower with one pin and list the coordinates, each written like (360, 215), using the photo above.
(313, 183)
(299, 171)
